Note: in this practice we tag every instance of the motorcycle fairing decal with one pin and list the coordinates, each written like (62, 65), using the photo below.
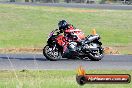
(60, 40)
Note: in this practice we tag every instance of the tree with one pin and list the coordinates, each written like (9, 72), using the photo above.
(12, 0)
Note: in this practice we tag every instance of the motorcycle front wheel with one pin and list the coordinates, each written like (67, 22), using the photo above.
(51, 53)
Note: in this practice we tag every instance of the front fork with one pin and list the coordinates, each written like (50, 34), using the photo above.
(54, 47)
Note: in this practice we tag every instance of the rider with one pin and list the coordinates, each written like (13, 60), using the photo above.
(70, 31)
(67, 28)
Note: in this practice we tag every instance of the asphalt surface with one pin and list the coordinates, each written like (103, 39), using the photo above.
(38, 61)
(76, 5)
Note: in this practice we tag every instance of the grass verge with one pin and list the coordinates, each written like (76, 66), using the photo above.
(53, 79)
(28, 26)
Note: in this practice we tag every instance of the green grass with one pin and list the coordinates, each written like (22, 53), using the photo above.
(54, 79)
(28, 26)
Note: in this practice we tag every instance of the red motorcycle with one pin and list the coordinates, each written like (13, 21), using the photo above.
(73, 44)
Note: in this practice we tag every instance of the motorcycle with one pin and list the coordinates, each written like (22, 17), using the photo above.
(77, 46)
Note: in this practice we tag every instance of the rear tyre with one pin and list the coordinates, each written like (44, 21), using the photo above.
(96, 56)
(51, 53)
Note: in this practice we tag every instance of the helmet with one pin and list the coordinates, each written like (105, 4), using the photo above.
(63, 25)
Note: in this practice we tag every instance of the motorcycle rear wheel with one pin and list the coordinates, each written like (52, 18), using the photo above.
(94, 57)
(50, 54)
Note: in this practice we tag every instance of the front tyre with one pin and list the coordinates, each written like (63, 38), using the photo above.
(51, 53)
(96, 55)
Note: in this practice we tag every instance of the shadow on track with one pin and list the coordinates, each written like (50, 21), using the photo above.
(22, 58)
(39, 58)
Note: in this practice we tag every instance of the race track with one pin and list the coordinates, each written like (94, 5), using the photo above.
(38, 61)
(77, 5)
